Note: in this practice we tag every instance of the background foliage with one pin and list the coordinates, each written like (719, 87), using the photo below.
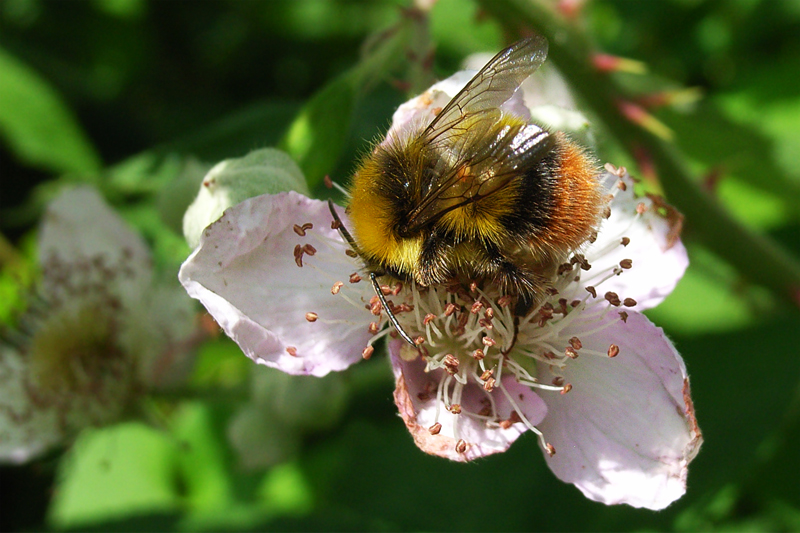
(128, 94)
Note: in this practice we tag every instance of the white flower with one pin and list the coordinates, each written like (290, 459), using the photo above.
(601, 386)
(94, 335)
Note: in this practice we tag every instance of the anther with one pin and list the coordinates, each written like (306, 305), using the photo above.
(430, 317)
(478, 354)
(551, 291)
(487, 374)
(628, 302)
(477, 306)
(291, 350)
(624, 316)
(449, 309)
(570, 352)
(613, 350)
(354, 277)
(366, 353)
(350, 253)
(488, 341)
(298, 255)
(625, 241)
(593, 237)
(564, 268)
(505, 424)
(435, 429)
(311, 316)
(626, 263)
(376, 308)
(489, 385)
(473, 287)
(397, 288)
(335, 224)
(504, 301)
(550, 449)
(373, 327)
(567, 388)
(328, 182)
(641, 208)
(576, 343)
(558, 381)
(621, 185)
(591, 290)
(455, 409)
(575, 303)
(612, 298)
(310, 250)
(607, 212)
(337, 287)
(489, 313)
(418, 341)
(451, 363)
(461, 446)
(299, 230)
(386, 290)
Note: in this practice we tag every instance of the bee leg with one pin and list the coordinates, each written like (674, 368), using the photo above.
(434, 259)
(514, 340)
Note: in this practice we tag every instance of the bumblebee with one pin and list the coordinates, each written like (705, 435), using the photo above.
(479, 194)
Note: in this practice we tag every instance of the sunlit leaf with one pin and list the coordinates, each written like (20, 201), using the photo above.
(37, 124)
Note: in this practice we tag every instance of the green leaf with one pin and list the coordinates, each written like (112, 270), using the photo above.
(317, 135)
(37, 125)
(115, 473)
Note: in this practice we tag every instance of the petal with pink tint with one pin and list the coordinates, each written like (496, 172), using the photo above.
(627, 431)
(416, 398)
(246, 275)
(79, 228)
(656, 252)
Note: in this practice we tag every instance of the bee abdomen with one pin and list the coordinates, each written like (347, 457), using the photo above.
(565, 200)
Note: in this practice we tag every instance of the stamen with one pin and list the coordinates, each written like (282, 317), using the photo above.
(367, 352)
(546, 445)
(461, 446)
(311, 316)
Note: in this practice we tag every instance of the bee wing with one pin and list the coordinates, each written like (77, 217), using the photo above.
(482, 96)
(480, 155)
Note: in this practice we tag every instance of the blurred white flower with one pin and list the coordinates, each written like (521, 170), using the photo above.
(97, 332)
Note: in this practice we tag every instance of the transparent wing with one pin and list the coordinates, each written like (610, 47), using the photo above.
(482, 96)
(477, 152)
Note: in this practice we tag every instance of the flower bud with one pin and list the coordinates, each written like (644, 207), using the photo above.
(234, 180)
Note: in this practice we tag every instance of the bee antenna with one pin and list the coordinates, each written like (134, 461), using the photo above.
(372, 277)
(342, 230)
(393, 319)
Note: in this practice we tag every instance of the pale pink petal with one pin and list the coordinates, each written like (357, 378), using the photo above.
(657, 254)
(416, 398)
(244, 272)
(26, 430)
(420, 111)
(81, 232)
(627, 431)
